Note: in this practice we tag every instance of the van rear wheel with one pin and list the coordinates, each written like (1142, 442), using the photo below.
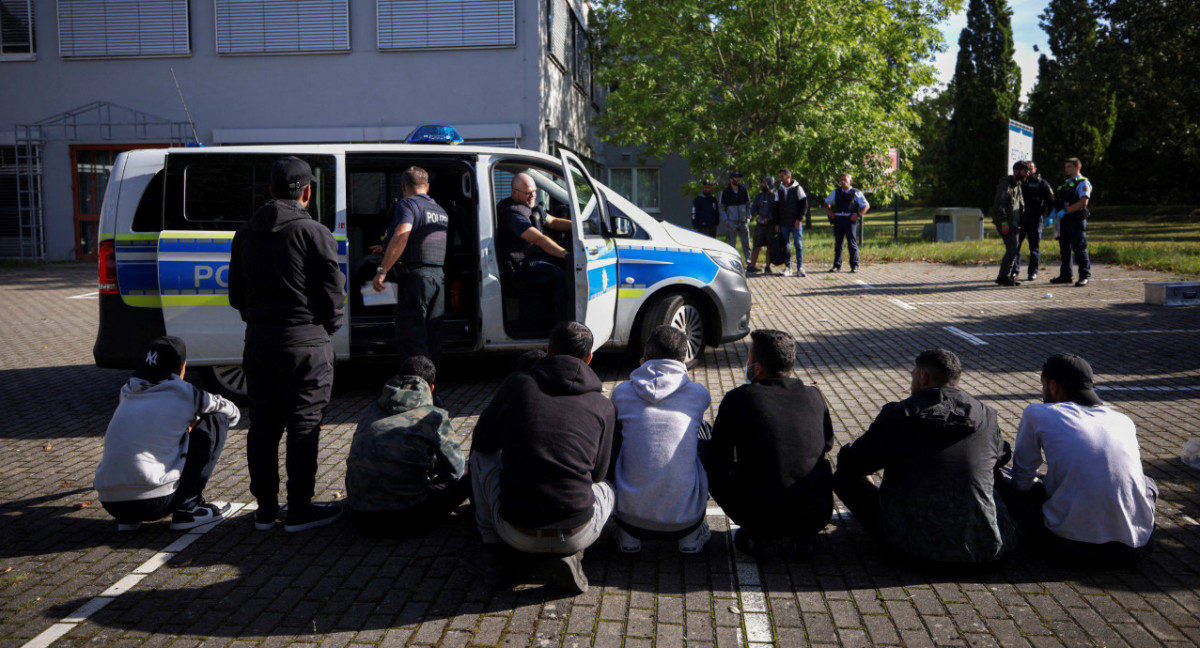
(679, 312)
(228, 381)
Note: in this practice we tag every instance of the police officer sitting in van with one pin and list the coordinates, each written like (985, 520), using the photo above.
(523, 244)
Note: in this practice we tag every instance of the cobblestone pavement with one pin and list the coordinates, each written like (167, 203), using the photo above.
(857, 336)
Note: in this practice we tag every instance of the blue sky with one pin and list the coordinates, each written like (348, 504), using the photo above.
(1026, 34)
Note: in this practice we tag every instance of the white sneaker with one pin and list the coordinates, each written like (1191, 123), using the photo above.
(695, 541)
(626, 543)
(787, 272)
(800, 272)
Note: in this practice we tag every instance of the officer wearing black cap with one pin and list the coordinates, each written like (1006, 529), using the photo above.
(417, 239)
(285, 281)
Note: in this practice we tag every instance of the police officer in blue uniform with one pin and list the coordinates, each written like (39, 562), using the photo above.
(705, 210)
(1072, 199)
(417, 239)
(845, 206)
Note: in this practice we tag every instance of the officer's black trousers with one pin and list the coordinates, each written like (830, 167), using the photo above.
(289, 389)
(420, 308)
(1073, 240)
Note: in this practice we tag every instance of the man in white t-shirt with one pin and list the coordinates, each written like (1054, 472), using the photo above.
(1094, 504)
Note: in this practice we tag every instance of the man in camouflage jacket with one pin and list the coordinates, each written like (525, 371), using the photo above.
(404, 473)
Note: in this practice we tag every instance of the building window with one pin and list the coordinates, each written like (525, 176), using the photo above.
(122, 28)
(638, 184)
(16, 30)
(282, 26)
(446, 24)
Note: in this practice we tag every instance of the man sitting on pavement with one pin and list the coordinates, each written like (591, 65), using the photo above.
(939, 450)
(162, 444)
(1094, 505)
(404, 473)
(766, 459)
(539, 455)
(661, 487)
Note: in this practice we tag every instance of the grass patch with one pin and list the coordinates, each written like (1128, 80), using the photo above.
(12, 579)
(1163, 238)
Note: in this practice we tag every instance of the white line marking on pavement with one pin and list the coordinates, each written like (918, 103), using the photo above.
(54, 632)
(85, 296)
(903, 305)
(863, 283)
(1012, 301)
(1025, 333)
(953, 330)
(1162, 388)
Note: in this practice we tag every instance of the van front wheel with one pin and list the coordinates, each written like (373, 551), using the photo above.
(228, 381)
(679, 312)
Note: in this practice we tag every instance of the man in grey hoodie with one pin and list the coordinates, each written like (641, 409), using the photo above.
(660, 484)
(162, 444)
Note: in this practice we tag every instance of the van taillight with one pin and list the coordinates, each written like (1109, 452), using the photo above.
(108, 268)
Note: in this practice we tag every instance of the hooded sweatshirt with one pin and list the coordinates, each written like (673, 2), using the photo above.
(764, 203)
(402, 446)
(284, 277)
(938, 450)
(146, 443)
(554, 429)
(660, 482)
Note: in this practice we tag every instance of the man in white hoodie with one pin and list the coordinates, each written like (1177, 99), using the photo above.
(661, 487)
(162, 444)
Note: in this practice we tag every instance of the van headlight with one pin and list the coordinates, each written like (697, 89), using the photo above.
(730, 262)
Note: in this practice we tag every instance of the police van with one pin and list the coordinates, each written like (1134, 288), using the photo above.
(169, 216)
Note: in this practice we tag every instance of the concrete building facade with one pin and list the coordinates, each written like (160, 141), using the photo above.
(83, 80)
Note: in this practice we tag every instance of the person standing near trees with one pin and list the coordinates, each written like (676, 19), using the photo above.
(1072, 199)
(791, 203)
(735, 212)
(705, 212)
(763, 212)
(1007, 209)
(845, 206)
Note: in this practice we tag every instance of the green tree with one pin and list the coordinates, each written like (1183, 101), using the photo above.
(931, 173)
(1072, 108)
(813, 85)
(1148, 51)
(987, 85)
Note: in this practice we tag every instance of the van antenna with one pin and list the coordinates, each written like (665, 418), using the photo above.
(191, 124)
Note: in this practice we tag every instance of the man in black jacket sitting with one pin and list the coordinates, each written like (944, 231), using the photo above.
(938, 449)
(539, 455)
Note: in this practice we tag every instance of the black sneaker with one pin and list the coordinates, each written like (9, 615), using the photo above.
(313, 516)
(853, 269)
(835, 269)
(1033, 276)
(266, 519)
(567, 573)
(1008, 281)
(1060, 279)
(1082, 282)
(199, 515)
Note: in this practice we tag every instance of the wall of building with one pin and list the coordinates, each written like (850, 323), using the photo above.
(361, 95)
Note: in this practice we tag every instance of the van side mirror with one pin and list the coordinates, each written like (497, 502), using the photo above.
(623, 227)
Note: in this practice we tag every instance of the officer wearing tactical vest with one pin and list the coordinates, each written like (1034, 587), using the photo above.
(417, 239)
(1071, 199)
(845, 206)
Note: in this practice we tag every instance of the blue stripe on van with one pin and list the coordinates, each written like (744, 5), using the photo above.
(650, 265)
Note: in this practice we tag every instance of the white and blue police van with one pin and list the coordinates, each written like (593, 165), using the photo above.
(169, 216)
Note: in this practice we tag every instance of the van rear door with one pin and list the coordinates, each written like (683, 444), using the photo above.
(595, 255)
(207, 196)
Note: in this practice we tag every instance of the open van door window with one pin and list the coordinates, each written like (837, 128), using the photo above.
(595, 257)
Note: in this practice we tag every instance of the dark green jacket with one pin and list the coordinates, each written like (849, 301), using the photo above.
(1009, 203)
(401, 447)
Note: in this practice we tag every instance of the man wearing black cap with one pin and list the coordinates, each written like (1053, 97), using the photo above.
(1094, 505)
(285, 281)
(735, 213)
(162, 444)
(705, 210)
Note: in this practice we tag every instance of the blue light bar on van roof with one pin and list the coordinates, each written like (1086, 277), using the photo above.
(434, 134)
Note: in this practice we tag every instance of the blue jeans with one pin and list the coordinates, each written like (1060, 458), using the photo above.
(796, 236)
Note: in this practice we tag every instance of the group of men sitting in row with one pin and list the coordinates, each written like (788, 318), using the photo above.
(553, 458)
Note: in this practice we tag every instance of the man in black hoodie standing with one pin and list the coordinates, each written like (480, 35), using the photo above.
(939, 450)
(285, 281)
(539, 455)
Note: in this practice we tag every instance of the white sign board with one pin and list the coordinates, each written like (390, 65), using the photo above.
(1020, 143)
